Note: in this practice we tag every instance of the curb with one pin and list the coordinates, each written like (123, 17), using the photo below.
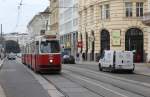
(2, 94)
(1, 63)
(148, 65)
(145, 74)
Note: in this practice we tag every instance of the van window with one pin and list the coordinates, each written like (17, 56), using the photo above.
(102, 55)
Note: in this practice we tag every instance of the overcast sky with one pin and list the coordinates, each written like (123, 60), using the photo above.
(12, 22)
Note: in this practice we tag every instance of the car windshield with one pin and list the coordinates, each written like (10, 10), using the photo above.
(49, 46)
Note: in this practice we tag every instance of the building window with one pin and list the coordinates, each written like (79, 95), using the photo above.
(85, 17)
(128, 7)
(101, 13)
(54, 0)
(92, 14)
(75, 22)
(139, 9)
(106, 11)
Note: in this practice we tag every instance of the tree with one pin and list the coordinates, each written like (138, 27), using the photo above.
(12, 46)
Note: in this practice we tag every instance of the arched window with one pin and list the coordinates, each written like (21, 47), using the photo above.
(93, 45)
(105, 40)
(86, 36)
(134, 41)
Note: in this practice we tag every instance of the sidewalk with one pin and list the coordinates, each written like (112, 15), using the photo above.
(140, 68)
(2, 94)
(1, 62)
(17, 81)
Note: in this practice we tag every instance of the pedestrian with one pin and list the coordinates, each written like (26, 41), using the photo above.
(83, 56)
(77, 57)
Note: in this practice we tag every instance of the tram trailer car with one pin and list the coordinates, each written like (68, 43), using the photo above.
(43, 54)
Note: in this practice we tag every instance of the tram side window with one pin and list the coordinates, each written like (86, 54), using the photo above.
(37, 48)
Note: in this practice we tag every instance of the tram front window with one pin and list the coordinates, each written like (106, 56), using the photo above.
(49, 46)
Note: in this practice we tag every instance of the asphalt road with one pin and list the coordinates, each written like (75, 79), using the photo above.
(86, 81)
(78, 80)
(126, 75)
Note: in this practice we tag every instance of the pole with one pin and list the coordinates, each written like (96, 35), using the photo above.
(1, 30)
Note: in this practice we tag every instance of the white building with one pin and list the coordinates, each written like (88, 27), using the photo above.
(68, 24)
(21, 38)
(39, 25)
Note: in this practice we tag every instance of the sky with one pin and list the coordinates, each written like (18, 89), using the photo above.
(14, 20)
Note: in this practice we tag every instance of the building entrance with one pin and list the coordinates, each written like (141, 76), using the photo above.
(105, 40)
(134, 41)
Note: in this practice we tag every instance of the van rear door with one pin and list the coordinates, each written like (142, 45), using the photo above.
(124, 59)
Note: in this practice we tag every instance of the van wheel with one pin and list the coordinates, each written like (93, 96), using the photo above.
(131, 71)
(100, 67)
(112, 69)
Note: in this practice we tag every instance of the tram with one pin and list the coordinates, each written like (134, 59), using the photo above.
(43, 54)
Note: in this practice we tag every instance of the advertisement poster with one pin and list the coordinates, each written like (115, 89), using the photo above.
(116, 38)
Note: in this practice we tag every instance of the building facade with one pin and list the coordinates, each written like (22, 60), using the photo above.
(39, 24)
(54, 17)
(115, 25)
(146, 21)
(68, 25)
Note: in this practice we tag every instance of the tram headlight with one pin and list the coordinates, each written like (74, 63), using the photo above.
(51, 61)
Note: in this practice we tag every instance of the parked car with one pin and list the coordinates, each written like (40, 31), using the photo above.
(116, 60)
(68, 59)
(11, 56)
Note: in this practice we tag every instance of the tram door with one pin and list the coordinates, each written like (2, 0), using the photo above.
(134, 41)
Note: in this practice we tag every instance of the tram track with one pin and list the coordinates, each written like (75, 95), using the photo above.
(91, 76)
(59, 89)
(101, 95)
(113, 76)
(65, 93)
(121, 74)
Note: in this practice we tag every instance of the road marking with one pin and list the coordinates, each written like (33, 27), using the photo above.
(2, 94)
(99, 85)
(113, 77)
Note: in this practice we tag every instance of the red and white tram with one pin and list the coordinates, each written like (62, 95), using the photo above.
(43, 54)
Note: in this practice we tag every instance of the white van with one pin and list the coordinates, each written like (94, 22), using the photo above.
(11, 56)
(116, 60)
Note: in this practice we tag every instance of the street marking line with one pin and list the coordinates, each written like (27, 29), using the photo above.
(90, 82)
(2, 94)
(113, 77)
